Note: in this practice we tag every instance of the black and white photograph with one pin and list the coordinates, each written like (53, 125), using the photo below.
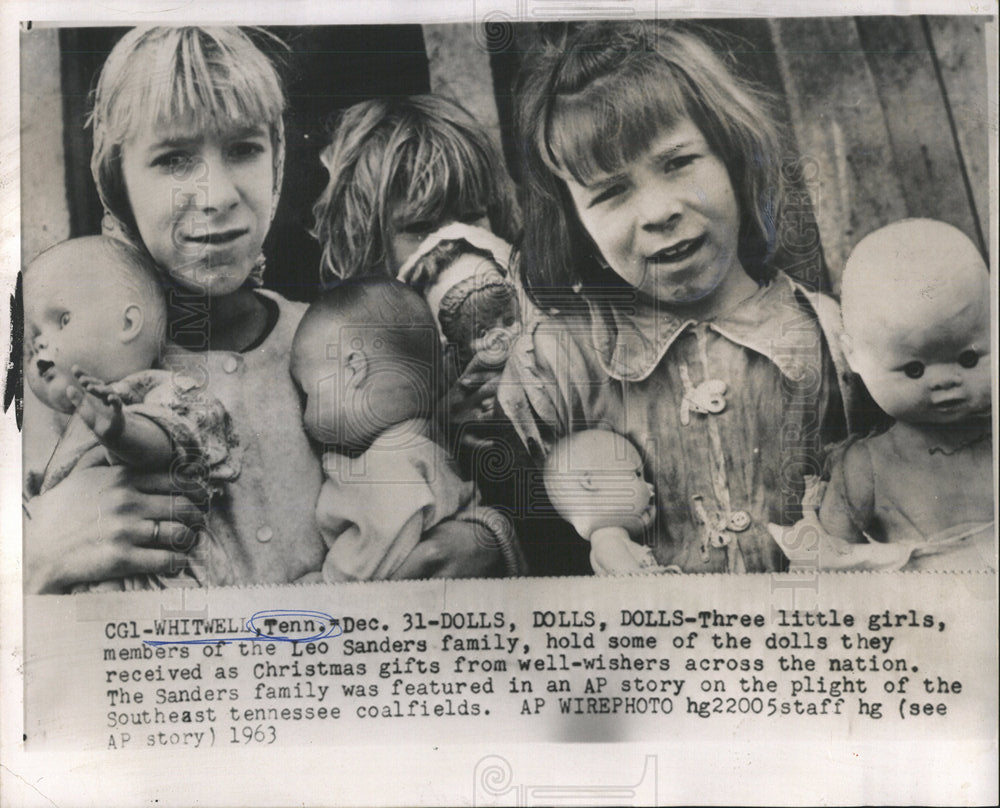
(499, 403)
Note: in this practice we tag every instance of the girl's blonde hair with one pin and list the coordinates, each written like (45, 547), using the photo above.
(423, 152)
(205, 79)
(595, 101)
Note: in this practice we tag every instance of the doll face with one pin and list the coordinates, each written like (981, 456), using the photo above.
(354, 384)
(601, 484)
(74, 316)
(488, 321)
(330, 412)
(935, 367)
(202, 201)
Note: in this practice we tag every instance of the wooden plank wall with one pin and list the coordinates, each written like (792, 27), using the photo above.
(894, 112)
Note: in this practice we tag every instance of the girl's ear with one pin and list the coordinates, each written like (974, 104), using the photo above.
(587, 481)
(847, 344)
(357, 368)
(132, 322)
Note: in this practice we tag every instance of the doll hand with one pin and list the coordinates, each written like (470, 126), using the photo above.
(98, 406)
(807, 544)
(618, 555)
(97, 387)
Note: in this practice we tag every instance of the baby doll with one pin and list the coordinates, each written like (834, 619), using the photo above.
(463, 273)
(365, 357)
(95, 319)
(916, 312)
(594, 480)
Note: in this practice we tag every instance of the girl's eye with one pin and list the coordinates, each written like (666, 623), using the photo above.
(675, 163)
(606, 195)
(64, 319)
(245, 149)
(172, 161)
(968, 359)
(914, 369)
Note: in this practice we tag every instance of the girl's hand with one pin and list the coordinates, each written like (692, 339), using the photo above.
(102, 523)
(472, 401)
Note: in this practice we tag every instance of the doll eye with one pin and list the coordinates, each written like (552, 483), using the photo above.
(914, 369)
(64, 319)
(968, 359)
(510, 319)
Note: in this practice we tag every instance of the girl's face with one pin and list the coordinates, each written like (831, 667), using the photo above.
(201, 202)
(667, 222)
(408, 232)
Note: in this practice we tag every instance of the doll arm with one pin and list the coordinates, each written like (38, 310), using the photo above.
(612, 552)
(848, 504)
(833, 539)
(131, 438)
(148, 420)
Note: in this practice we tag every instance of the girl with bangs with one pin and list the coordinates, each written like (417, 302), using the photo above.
(188, 157)
(652, 203)
(401, 169)
(418, 187)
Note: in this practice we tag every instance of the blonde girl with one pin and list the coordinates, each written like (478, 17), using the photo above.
(651, 208)
(400, 169)
(188, 151)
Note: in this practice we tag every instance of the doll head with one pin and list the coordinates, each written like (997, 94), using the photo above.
(365, 357)
(916, 310)
(189, 149)
(93, 303)
(594, 480)
(470, 292)
(400, 168)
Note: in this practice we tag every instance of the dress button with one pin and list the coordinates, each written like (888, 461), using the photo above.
(739, 521)
(230, 364)
(264, 534)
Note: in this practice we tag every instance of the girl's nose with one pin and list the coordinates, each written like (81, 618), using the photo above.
(220, 192)
(658, 210)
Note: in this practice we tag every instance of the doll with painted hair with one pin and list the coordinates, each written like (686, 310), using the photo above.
(463, 273)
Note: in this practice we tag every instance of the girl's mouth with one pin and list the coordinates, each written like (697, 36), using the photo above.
(677, 252)
(219, 237)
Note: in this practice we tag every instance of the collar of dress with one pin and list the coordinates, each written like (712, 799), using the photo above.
(630, 342)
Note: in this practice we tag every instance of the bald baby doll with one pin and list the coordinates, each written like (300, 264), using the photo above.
(594, 480)
(916, 312)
